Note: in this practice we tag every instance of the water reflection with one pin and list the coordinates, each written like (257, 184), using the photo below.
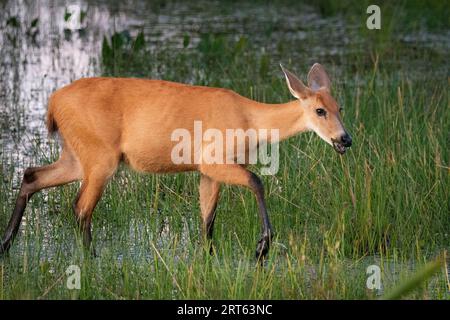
(34, 66)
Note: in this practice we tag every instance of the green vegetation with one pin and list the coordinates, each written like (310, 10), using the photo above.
(385, 202)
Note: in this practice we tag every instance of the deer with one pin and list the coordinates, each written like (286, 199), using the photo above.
(104, 121)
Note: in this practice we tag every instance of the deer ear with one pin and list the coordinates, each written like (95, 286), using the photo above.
(318, 78)
(295, 85)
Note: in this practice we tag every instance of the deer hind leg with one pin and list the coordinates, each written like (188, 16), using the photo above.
(95, 178)
(65, 170)
(209, 195)
(238, 175)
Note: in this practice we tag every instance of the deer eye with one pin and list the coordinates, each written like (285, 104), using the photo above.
(321, 112)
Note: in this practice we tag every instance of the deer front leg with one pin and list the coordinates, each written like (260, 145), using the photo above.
(266, 233)
(237, 175)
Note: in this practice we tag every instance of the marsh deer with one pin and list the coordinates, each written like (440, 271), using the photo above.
(104, 121)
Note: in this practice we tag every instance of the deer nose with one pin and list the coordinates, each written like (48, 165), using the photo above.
(346, 140)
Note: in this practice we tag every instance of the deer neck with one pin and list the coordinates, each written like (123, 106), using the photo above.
(288, 118)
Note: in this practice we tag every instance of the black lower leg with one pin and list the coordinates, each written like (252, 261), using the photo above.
(208, 228)
(84, 226)
(87, 235)
(14, 224)
(19, 209)
(266, 233)
(85, 231)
